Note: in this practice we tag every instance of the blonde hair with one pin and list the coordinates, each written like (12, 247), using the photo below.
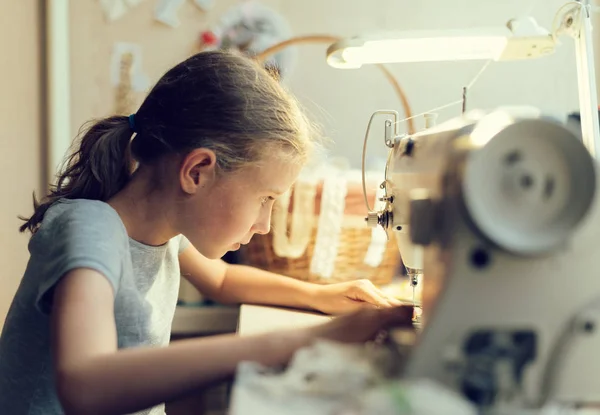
(217, 100)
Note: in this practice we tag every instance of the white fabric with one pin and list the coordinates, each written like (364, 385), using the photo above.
(333, 203)
(330, 378)
(302, 222)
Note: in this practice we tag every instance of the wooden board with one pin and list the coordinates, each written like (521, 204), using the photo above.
(259, 319)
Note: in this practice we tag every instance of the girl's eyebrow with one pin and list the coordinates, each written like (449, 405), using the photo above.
(277, 191)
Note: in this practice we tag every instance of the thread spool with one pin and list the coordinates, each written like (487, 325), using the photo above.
(430, 119)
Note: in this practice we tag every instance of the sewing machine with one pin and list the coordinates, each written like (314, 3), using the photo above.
(497, 215)
(500, 212)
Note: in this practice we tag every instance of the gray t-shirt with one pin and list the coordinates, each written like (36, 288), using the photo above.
(90, 234)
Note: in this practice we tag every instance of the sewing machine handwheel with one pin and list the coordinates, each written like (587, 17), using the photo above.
(529, 185)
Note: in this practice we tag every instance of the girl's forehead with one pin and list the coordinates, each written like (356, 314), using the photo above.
(274, 176)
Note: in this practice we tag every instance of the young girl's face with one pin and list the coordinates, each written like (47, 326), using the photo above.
(235, 206)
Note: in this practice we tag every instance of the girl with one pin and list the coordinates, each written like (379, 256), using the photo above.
(214, 143)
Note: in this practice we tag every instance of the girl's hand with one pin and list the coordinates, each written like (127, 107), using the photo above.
(363, 325)
(347, 297)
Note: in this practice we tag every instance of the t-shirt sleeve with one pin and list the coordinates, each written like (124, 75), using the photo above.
(183, 243)
(83, 235)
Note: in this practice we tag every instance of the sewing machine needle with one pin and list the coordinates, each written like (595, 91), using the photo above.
(414, 304)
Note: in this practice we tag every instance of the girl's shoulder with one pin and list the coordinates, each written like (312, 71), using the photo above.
(82, 218)
(81, 206)
(75, 234)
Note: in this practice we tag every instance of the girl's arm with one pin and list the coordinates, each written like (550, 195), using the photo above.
(93, 377)
(230, 284)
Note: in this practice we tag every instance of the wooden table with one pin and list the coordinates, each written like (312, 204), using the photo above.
(255, 319)
(204, 321)
(260, 319)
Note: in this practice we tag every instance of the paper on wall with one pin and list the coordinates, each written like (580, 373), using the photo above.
(204, 4)
(166, 12)
(253, 27)
(133, 3)
(139, 81)
(115, 9)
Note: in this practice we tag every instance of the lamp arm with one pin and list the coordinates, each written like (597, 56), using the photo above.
(577, 22)
(313, 39)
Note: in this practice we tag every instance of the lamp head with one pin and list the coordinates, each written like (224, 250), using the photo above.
(519, 39)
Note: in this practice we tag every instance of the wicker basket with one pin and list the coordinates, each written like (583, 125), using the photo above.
(354, 241)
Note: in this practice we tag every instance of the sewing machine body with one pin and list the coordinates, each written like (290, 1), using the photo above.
(509, 321)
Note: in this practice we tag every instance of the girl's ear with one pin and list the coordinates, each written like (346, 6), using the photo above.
(197, 169)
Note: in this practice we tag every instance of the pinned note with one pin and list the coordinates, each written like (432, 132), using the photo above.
(133, 3)
(166, 12)
(205, 4)
(139, 81)
(115, 9)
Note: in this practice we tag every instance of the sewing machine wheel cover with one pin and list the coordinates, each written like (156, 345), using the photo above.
(529, 184)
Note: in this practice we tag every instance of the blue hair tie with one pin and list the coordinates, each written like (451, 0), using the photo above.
(132, 123)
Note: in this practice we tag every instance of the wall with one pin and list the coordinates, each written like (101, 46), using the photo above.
(20, 149)
(341, 100)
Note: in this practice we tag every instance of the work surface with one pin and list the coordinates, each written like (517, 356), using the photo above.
(255, 319)
(259, 319)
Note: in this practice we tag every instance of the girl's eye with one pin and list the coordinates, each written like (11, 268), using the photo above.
(266, 199)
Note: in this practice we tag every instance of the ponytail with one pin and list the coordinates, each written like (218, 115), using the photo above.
(97, 170)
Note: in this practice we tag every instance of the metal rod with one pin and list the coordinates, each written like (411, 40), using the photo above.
(586, 77)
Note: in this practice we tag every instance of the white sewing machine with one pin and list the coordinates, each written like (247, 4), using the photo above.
(500, 213)
(504, 206)
(503, 210)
